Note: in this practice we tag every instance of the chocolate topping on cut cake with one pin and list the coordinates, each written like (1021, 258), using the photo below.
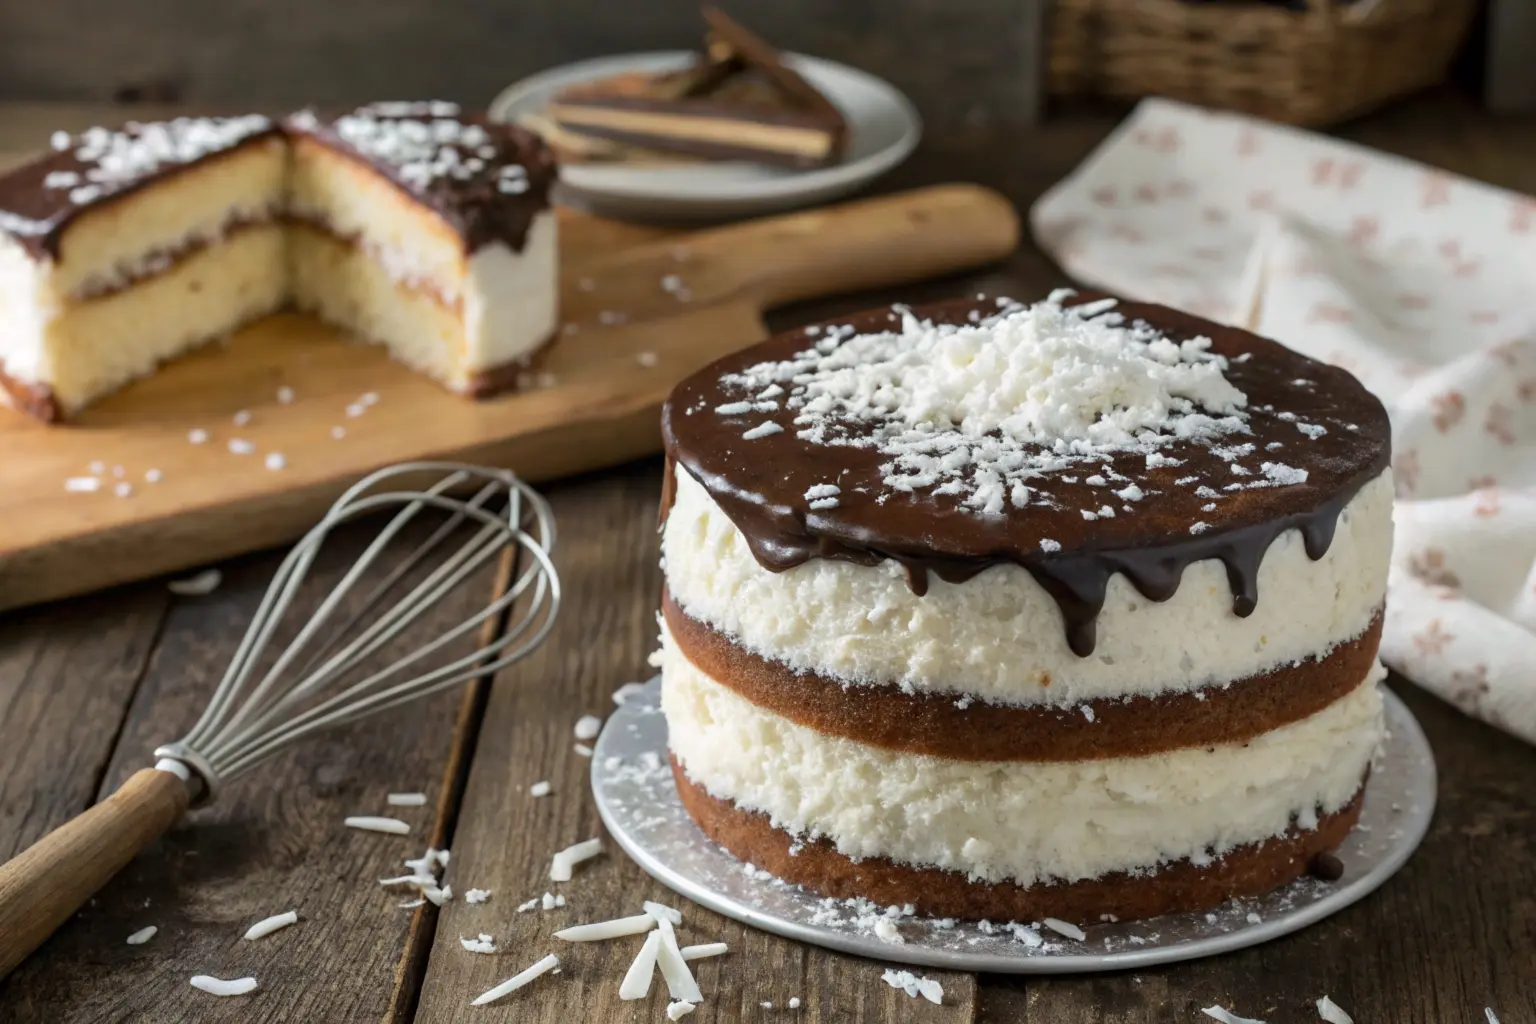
(39, 199)
(916, 435)
(486, 179)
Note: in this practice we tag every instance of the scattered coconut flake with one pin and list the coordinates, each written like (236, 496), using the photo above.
(220, 987)
(1048, 545)
(703, 950)
(627, 691)
(915, 985)
(393, 826)
(263, 928)
(275, 461)
(409, 881)
(411, 904)
(823, 503)
(123, 490)
(766, 1004)
(1227, 1017)
(356, 409)
(582, 749)
(197, 435)
(765, 429)
(437, 897)
(369, 398)
(285, 395)
(661, 911)
(406, 799)
(794, 1001)
(242, 417)
(153, 476)
(482, 944)
(822, 491)
(540, 788)
(477, 895)
(551, 901)
(1488, 1012)
(240, 446)
(517, 981)
(1199, 528)
(886, 931)
(338, 432)
(1253, 918)
(82, 484)
(600, 931)
(637, 980)
(679, 1010)
(205, 582)
(1312, 430)
(674, 969)
(533, 904)
(646, 359)
(429, 862)
(142, 936)
(588, 726)
(1332, 1012)
(1066, 928)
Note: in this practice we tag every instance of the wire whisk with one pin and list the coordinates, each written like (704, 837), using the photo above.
(335, 669)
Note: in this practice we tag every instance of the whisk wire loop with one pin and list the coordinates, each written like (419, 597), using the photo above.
(248, 721)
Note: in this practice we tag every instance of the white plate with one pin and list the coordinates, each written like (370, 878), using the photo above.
(637, 799)
(883, 128)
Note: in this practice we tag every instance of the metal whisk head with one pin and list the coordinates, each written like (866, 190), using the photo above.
(255, 713)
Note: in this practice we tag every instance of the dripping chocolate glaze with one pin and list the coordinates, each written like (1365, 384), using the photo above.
(760, 484)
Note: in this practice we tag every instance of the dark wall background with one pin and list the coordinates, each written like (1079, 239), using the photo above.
(963, 62)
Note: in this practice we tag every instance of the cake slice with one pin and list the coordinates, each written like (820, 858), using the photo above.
(738, 101)
(429, 231)
(414, 225)
(121, 249)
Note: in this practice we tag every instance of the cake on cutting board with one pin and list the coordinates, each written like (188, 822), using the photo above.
(415, 225)
(1019, 611)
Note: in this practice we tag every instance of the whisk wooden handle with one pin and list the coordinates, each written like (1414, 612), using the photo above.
(51, 879)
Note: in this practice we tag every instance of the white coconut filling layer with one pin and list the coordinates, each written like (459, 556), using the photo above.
(1020, 822)
(1000, 637)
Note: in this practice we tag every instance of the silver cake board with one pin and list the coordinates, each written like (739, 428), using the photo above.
(637, 798)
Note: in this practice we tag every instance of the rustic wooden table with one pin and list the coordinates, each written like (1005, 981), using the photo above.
(88, 687)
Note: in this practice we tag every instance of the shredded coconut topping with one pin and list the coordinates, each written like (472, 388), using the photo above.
(977, 409)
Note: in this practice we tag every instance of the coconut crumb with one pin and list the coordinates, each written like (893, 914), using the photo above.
(82, 485)
(142, 936)
(197, 435)
(540, 788)
(582, 749)
(481, 944)
(1065, 928)
(1227, 1017)
(679, 1010)
(477, 896)
(915, 985)
(205, 582)
(588, 726)
(1332, 1012)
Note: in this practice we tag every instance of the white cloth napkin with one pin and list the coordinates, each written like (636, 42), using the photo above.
(1421, 283)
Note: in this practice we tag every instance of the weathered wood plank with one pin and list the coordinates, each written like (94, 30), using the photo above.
(959, 59)
(1449, 935)
(505, 837)
(68, 673)
(274, 842)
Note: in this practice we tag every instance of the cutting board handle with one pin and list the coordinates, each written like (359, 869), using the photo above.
(873, 243)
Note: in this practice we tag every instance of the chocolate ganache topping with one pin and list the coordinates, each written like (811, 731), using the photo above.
(1307, 440)
(485, 179)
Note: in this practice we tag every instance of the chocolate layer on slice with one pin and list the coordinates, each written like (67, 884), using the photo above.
(739, 100)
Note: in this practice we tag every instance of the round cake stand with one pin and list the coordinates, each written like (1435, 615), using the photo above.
(637, 798)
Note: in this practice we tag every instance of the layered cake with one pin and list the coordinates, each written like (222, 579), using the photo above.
(1004, 611)
(415, 225)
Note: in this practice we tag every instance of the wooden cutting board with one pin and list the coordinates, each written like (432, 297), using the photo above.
(627, 341)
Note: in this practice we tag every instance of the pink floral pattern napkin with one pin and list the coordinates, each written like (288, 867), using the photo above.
(1421, 283)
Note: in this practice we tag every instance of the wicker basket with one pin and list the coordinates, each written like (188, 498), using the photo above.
(1311, 66)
